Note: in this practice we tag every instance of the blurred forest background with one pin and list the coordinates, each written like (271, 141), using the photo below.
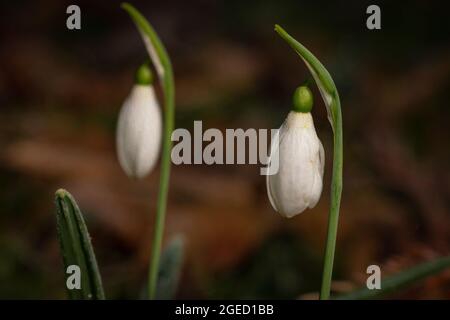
(61, 90)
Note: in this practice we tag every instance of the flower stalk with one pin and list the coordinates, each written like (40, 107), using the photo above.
(163, 67)
(330, 96)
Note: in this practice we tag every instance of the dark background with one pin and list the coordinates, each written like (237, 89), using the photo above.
(61, 90)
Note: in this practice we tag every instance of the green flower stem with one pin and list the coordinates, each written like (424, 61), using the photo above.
(163, 66)
(330, 96)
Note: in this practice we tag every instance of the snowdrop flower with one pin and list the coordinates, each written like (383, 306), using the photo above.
(139, 126)
(298, 183)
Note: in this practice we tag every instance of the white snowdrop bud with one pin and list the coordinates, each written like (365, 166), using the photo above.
(139, 126)
(297, 184)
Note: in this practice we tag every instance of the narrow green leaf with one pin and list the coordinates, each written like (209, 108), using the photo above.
(170, 269)
(76, 247)
(400, 280)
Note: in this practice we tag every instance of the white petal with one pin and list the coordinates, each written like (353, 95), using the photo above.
(317, 166)
(316, 190)
(298, 183)
(274, 148)
(321, 158)
(139, 132)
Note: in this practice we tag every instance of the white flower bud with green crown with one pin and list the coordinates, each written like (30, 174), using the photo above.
(297, 185)
(138, 135)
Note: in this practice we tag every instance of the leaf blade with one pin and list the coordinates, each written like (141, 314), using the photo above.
(400, 281)
(170, 269)
(76, 247)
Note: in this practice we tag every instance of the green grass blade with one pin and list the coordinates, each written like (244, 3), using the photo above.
(400, 280)
(76, 247)
(170, 269)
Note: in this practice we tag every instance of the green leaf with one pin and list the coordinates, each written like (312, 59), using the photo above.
(170, 269)
(400, 281)
(76, 247)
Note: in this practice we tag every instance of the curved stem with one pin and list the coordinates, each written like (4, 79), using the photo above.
(163, 66)
(330, 96)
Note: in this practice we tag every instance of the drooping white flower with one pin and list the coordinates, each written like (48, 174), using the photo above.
(138, 136)
(297, 184)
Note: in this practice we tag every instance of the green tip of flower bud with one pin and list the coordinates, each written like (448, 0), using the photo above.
(144, 75)
(303, 100)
